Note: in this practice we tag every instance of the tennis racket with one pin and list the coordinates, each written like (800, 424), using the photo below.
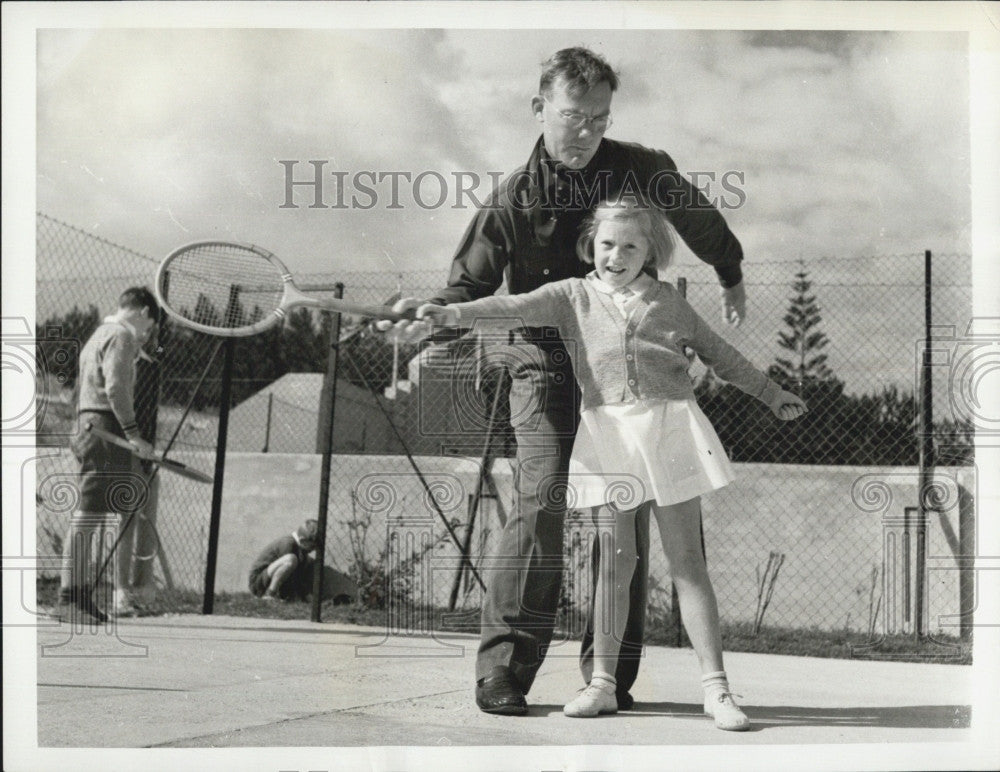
(165, 463)
(237, 290)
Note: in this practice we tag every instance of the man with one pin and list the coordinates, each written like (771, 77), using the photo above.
(527, 233)
(109, 488)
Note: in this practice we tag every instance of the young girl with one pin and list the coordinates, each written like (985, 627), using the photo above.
(642, 436)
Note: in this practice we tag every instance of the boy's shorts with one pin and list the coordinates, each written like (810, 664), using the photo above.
(298, 585)
(109, 478)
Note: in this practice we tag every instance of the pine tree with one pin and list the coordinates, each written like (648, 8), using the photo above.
(806, 365)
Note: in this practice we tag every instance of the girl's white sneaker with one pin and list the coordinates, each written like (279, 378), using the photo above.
(727, 714)
(591, 702)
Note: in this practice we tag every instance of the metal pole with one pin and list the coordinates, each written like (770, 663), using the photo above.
(147, 384)
(926, 450)
(328, 400)
(220, 470)
(907, 581)
(966, 576)
(920, 621)
(267, 426)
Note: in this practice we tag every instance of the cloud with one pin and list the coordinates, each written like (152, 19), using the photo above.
(849, 141)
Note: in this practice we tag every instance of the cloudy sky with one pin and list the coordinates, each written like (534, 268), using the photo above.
(152, 132)
(847, 143)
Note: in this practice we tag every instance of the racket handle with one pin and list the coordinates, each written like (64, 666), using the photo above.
(114, 439)
(348, 307)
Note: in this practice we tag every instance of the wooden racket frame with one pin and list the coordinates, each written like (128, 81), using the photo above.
(292, 297)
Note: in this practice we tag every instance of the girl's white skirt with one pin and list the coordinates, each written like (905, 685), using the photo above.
(629, 453)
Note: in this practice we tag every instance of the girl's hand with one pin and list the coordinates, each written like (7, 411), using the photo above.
(404, 331)
(788, 406)
(444, 316)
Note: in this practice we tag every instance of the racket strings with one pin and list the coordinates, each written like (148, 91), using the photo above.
(225, 286)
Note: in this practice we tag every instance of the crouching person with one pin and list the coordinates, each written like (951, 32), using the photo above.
(284, 570)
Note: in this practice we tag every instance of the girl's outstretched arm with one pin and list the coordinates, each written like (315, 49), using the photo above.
(730, 365)
(548, 305)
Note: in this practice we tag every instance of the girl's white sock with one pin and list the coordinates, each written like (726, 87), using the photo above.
(714, 684)
(604, 681)
(720, 705)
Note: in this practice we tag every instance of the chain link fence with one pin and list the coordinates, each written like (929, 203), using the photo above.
(79, 277)
(820, 530)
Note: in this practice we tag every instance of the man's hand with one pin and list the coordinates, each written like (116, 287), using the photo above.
(142, 447)
(734, 304)
(405, 331)
(788, 406)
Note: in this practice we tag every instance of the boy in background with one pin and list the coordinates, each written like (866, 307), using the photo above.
(283, 570)
(109, 485)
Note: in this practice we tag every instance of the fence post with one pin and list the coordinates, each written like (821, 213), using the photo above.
(324, 439)
(926, 452)
(220, 469)
(147, 383)
(966, 576)
(267, 426)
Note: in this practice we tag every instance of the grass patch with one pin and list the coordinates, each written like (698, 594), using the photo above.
(813, 642)
(660, 630)
(846, 644)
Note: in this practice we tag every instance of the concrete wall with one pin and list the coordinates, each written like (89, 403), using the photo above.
(834, 525)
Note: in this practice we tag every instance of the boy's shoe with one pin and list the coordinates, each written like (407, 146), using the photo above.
(122, 604)
(592, 701)
(270, 596)
(86, 603)
(727, 714)
(77, 606)
(64, 609)
(142, 596)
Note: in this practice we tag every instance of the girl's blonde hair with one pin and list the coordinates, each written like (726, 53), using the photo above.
(630, 208)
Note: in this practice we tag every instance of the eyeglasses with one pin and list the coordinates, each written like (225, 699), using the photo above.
(576, 121)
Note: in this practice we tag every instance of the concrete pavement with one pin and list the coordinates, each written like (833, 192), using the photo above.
(224, 682)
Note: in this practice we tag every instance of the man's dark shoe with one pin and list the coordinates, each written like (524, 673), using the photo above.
(625, 700)
(499, 693)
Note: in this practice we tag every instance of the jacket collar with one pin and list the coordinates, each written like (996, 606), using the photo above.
(115, 320)
(537, 196)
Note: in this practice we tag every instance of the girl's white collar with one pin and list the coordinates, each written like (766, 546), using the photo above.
(638, 285)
